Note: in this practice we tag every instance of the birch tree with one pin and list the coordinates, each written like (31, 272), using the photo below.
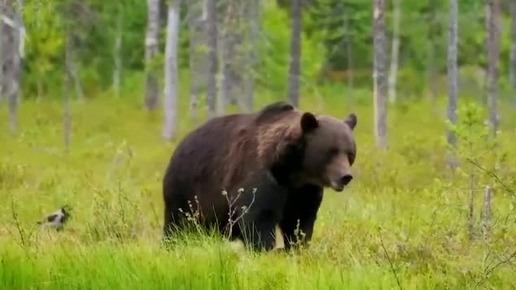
(12, 49)
(493, 54)
(3, 45)
(197, 14)
(151, 50)
(74, 68)
(117, 51)
(252, 14)
(67, 118)
(432, 50)
(453, 87)
(78, 15)
(393, 72)
(211, 83)
(512, 66)
(227, 42)
(349, 48)
(236, 57)
(295, 52)
(380, 94)
(171, 77)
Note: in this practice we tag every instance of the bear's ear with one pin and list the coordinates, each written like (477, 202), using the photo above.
(351, 121)
(308, 122)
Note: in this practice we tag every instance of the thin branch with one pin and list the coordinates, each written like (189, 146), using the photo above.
(493, 175)
(390, 263)
(488, 270)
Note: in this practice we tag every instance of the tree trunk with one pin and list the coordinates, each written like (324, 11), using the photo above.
(211, 84)
(11, 28)
(395, 51)
(252, 13)
(453, 89)
(171, 77)
(117, 53)
(493, 54)
(432, 59)
(485, 97)
(66, 91)
(236, 59)
(151, 49)
(198, 58)
(432, 72)
(3, 43)
(226, 55)
(380, 94)
(74, 71)
(512, 67)
(295, 52)
(349, 50)
(485, 215)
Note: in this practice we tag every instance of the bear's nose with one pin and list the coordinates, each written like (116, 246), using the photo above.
(344, 180)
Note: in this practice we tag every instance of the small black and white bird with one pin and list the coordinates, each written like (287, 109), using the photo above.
(56, 219)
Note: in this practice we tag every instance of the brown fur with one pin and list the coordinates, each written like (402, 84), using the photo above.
(286, 154)
(260, 146)
(273, 137)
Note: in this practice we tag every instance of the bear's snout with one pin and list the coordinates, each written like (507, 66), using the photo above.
(344, 180)
(340, 173)
(341, 182)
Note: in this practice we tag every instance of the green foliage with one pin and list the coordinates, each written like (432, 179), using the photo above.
(331, 21)
(479, 151)
(275, 51)
(43, 46)
(95, 26)
(475, 140)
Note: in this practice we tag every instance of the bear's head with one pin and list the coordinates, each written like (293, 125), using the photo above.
(329, 150)
(303, 148)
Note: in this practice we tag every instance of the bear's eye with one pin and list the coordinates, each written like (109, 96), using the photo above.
(351, 158)
(333, 151)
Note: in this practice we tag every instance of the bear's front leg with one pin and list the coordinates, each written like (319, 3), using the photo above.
(258, 231)
(299, 215)
(263, 210)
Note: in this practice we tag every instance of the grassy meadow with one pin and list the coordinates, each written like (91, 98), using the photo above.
(402, 223)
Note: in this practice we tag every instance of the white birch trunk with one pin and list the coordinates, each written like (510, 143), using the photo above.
(197, 55)
(11, 30)
(74, 70)
(295, 52)
(393, 73)
(66, 92)
(349, 50)
(222, 47)
(252, 13)
(432, 52)
(151, 49)
(493, 55)
(453, 75)
(171, 77)
(380, 94)
(117, 55)
(512, 66)
(211, 31)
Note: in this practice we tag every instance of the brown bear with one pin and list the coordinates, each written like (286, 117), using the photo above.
(244, 174)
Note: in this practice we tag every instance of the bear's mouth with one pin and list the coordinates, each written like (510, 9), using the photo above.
(337, 187)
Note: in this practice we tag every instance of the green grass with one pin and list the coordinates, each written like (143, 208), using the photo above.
(403, 220)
